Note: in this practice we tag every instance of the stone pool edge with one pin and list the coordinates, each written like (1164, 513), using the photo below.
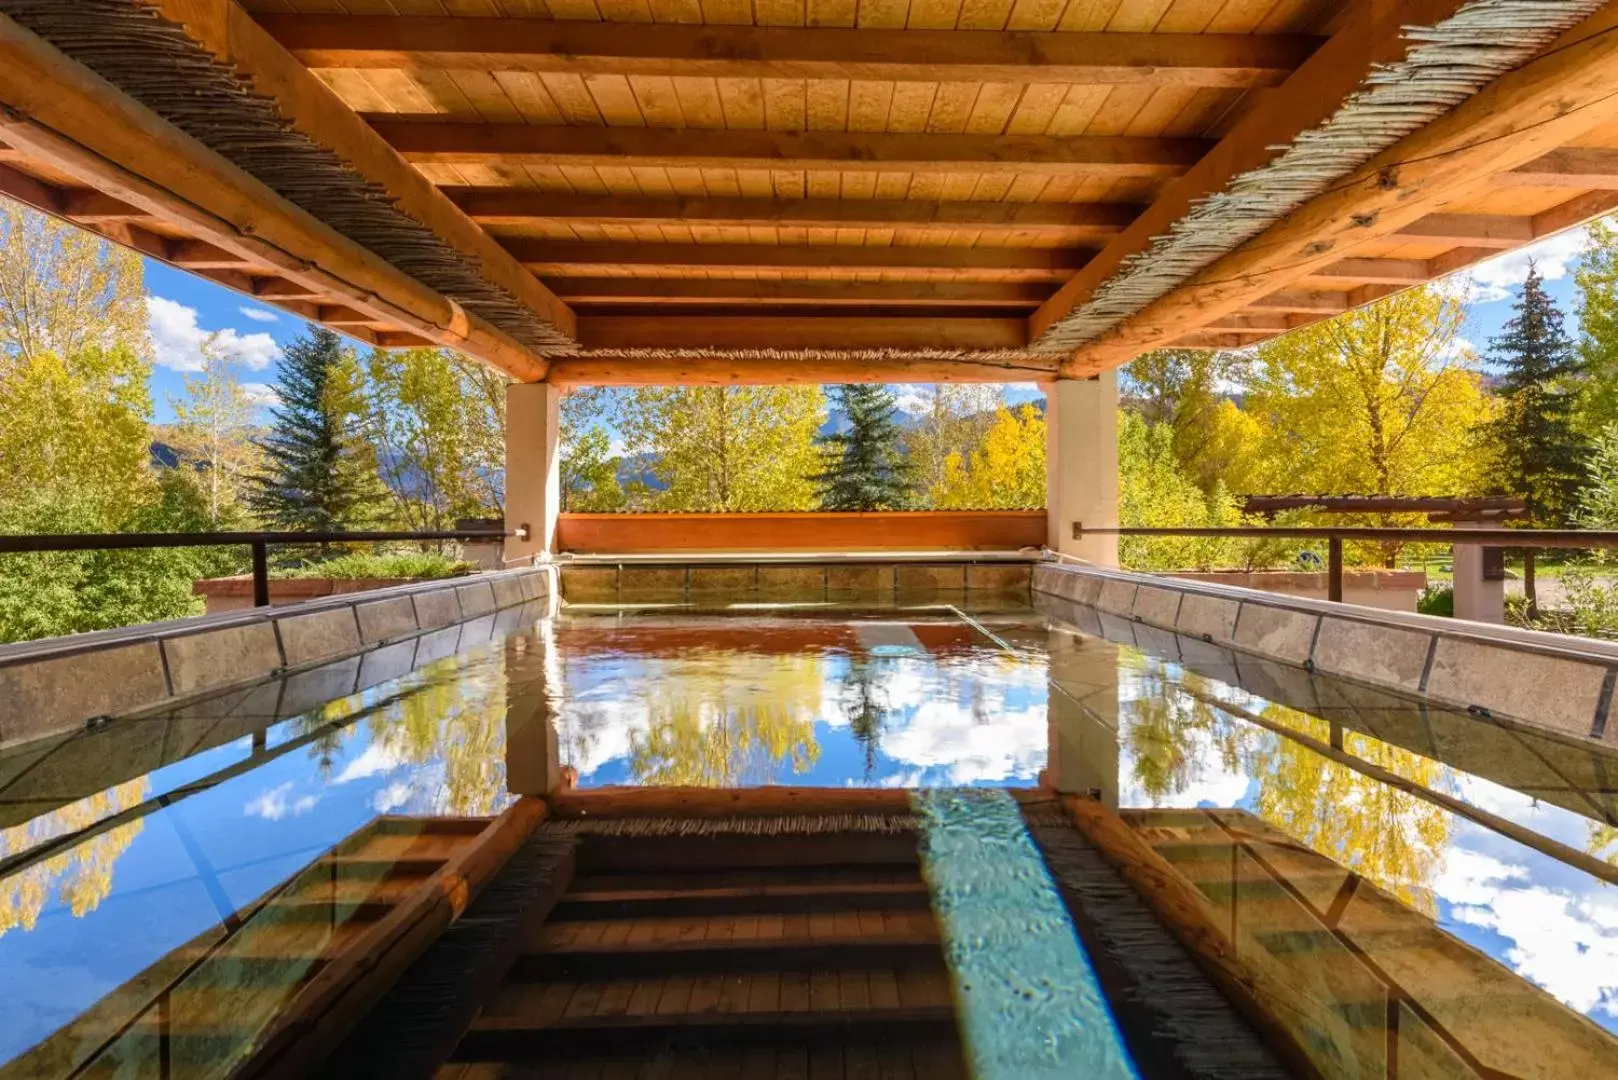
(62, 684)
(1548, 682)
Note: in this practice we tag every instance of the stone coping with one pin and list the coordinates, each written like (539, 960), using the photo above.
(1552, 682)
(61, 684)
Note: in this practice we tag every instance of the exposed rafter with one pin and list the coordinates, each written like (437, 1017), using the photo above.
(571, 257)
(829, 332)
(1518, 118)
(518, 206)
(753, 293)
(754, 52)
(428, 142)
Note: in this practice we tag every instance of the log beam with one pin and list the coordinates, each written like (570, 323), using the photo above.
(511, 145)
(1567, 167)
(819, 332)
(1519, 118)
(720, 369)
(391, 42)
(1371, 36)
(229, 34)
(77, 125)
(520, 206)
(754, 293)
(561, 257)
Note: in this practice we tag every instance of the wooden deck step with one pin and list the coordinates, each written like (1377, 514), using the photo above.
(718, 853)
(517, 1038)
(626, 879)
(618, 904)
(709, 956)
(789, 1059)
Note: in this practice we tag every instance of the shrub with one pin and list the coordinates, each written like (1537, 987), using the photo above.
(1437, 600)
(406, 565)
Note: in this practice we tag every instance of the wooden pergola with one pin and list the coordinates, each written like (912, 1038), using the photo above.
(605, 191)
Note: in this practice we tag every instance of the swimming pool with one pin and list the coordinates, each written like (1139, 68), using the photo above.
(1433, 888)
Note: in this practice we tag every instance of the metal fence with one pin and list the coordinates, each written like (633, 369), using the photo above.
(259, 543)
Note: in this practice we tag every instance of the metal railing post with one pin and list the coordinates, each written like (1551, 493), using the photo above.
(261, 574)
(1334, 569)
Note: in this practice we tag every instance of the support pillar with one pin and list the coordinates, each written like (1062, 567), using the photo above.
(533, 459)
(1082, 710)
(1480, 580)
(1081, 465)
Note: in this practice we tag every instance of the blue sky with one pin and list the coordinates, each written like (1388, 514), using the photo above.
(185, 308)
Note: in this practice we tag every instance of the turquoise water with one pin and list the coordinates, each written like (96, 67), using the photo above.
(121, 843)
(1031, 1006)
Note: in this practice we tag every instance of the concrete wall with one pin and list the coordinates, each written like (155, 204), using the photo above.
(236, 593)
(62, 684)
(1386, 590)
(1550, 682)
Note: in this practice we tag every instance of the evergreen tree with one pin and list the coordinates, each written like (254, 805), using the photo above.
(1541, 451)
(320, 474)
(865, 466)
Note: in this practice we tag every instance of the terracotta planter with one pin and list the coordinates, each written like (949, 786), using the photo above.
(236, 593)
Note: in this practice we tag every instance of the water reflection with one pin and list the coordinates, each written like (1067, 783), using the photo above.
(79, 878)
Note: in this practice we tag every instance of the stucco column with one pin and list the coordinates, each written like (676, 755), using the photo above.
(1082, 716)
(533, 487)
(1081, 465)
(1478, 597)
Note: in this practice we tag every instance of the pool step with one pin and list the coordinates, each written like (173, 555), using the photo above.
(749, 955)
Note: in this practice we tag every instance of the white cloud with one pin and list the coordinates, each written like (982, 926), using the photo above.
(258, 314)
(374, 760)
(261, 393)
(177, 339)
(1565, 942)
(391, 798)
(1495, 279)
(272, 805)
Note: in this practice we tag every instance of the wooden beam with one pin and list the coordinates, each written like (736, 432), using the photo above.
(231, 36)
(520, 206)
(78, 125)
(1574, 167)
(825, 332)
(1377, 271)
(556, 257)
(732, 370)
(753, 293)
(391, 42)
(1500, 231)
(1221, 339)
(514, 145)
(1520, 117)
(1372, 35)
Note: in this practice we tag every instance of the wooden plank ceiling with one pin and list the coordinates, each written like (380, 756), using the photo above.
(738, 189)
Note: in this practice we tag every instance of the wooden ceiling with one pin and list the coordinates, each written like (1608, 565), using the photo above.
(773, 190)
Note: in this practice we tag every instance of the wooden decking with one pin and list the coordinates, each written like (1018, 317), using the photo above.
(736, 956)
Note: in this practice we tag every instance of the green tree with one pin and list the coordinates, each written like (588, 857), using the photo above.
(953, 421)
(1541, 451)
(438, 419)
(64, 291)
(726, 448)
(320, 474)
(1596, 277)
(212, 434)
(588, 468)
(1184, 388)
(1384, 400)
(1155, 492)
(1005, 472)
(1598, 502)
(864, 467)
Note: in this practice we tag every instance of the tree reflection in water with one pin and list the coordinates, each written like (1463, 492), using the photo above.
(455, 721)
(734, 722)
(81, 876)
(865, 706)
(1393, 838)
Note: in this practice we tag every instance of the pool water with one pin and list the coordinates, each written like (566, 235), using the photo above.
(1435, 891)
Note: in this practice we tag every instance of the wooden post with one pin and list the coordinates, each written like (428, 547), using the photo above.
(1530, 593)
(261, 574)
(1334, 569)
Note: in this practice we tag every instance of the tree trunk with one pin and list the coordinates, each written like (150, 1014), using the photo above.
(1528, 590)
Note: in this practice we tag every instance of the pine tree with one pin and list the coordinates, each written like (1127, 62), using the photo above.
(1541, 451)
(320, 475)
(865, 466)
